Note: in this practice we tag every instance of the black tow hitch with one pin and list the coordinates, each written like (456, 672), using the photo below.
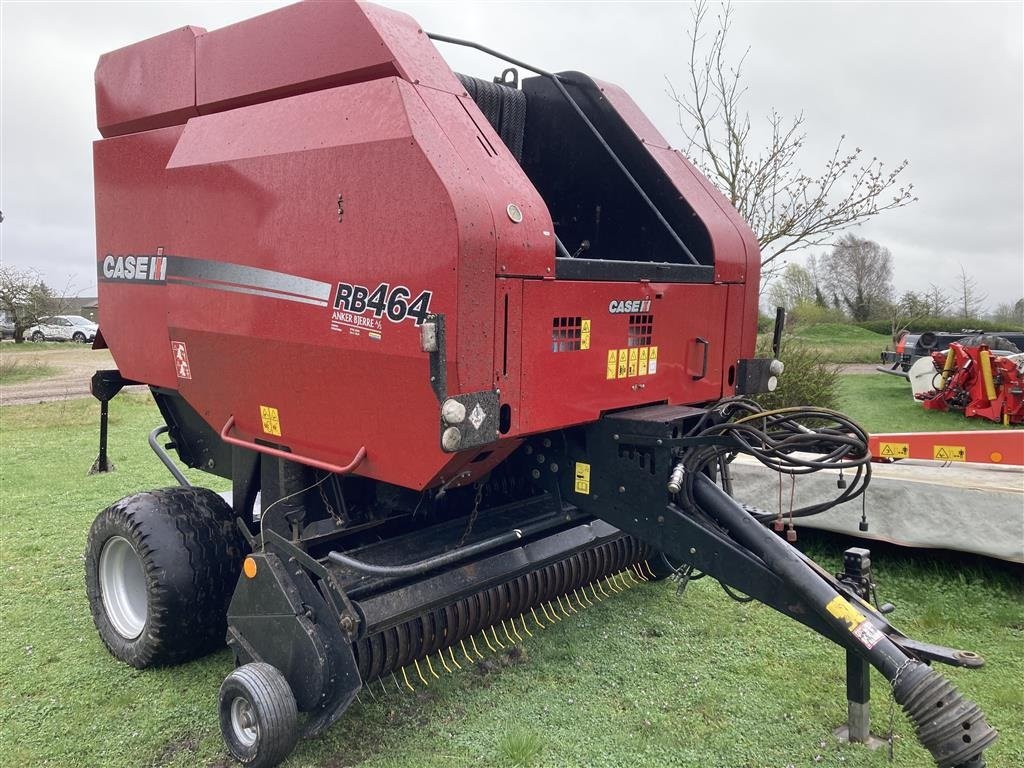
(629, 459)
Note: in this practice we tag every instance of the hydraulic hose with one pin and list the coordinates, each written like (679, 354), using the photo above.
(949, 726)
(446, 558)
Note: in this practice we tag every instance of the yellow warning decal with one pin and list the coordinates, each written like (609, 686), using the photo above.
(642, 370)
(582, 477)
(271, 420)
(843, 610)
(894, 450)
(623, 363)
(613, 357)
(949, 452)
(634, 357)
(652, 361)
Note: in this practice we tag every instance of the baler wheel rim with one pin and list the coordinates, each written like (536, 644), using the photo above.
(243, 721)
(259, 719)
(123, 587)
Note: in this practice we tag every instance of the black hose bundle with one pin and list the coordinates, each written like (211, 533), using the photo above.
(791, 441)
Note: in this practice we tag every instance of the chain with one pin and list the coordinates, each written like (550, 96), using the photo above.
(327, 504)
(472, 515)
(892, 709)
(681, 576)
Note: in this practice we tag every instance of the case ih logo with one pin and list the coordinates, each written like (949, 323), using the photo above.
(629, 307)
(144, 269)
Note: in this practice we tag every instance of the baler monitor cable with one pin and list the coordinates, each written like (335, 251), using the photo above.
(793, 441)
(593, 129)
(263, 512)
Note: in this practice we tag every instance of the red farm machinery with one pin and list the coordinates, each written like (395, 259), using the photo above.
(977, 380)
(465, 348)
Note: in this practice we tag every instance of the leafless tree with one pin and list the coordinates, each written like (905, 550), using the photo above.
(937, 300)
(903, 313)
(795, 285)
(859, 271)
(24, 298)
(969, 297)
(786, 208)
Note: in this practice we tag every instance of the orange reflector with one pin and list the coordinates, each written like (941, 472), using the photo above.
(249, 567)
(996, 457)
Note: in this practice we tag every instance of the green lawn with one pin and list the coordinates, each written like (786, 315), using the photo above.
(837, 342)
(883, 403)
(33, 346)
(647, 678)
(14, 370)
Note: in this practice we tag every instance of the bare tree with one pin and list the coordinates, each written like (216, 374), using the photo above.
(903, 313)
(787, 208)
(24, 298)
(969, 297)
(859, 272)
(937, 299)
(794, 286)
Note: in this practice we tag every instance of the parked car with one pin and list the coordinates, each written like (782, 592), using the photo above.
(912, 346)
(63, 328)
(6, 330)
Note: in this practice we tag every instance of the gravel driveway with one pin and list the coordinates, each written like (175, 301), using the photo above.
(75, 364)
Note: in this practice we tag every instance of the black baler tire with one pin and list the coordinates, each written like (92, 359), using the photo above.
(191, 554)
(273, 703)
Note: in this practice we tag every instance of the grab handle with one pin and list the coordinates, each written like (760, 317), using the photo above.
(227, 438)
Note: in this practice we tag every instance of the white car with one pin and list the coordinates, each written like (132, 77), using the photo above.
(63, 328)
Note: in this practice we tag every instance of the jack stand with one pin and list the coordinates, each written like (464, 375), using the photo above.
(857, 730)
(104, 386)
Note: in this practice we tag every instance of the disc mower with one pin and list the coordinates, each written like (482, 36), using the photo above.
(975, 380)
(471, 352)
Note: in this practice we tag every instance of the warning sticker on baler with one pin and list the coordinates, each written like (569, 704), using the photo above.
(843, 610)
(585, 334)
(613, 358)
(180, 354)
(271, 420)
(631, 362)
(868, 634)
(582, 476)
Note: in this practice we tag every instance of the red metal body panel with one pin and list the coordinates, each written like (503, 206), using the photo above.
(358, 160)
(148, 85)
(342, 42)
(562, 388)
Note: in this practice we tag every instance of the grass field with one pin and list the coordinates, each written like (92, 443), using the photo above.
(14, 370)
(840, 343)
(647, 678)
(882, 403)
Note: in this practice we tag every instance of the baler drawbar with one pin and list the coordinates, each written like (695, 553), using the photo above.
(472, 353)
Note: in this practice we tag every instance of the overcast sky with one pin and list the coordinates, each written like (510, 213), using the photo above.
(939, 84)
